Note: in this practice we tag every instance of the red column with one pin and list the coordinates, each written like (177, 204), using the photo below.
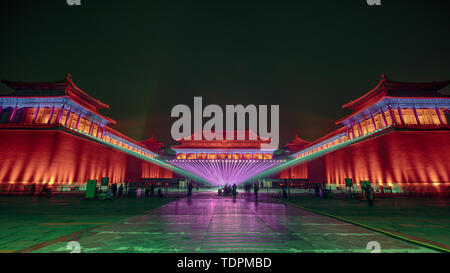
(351, 130)
(13, 114)
(103, 132)
(415, 114)
(91, 127)
(61, 111)
(68, 116)
(384, 118)
(51, 115)
(401, 116)
(36, 114)
(99, 135)
(78, 120)
(373, 122)
(439, 115)
(360, 129)
(392, 115)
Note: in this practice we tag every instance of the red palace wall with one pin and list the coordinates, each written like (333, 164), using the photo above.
(398, 158)
(58, 157)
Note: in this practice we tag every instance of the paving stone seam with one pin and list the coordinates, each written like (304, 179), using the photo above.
(427, 245)
(70, 236)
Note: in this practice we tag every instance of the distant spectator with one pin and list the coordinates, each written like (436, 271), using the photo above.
(369, 194)
(114, 189)
(317, 190)
(234, 191)
(45, 191)
(152, 190)
(120, 190)
(284, 189)
(33, 189)
(147, 191)
(190, 186)
(256, 189)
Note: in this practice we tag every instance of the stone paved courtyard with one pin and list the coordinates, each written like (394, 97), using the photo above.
(208, 223)
(27, 221)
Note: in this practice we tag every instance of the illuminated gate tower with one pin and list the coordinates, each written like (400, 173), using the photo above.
(397, 135)
(53, 132)
(225, 161)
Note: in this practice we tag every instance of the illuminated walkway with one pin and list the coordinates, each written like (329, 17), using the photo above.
(208, 223)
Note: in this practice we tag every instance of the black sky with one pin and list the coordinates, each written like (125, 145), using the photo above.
(144, 57)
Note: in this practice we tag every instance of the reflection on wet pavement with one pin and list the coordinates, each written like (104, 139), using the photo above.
(208, 223)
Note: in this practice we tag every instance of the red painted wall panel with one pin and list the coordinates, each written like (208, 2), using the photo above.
(398, 157)
(61, 158)
(300, 171)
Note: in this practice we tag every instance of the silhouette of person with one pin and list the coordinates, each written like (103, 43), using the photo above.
(120, 190)
(152, 190)
(190, 186)
(256, 189)
(284, 188)
(234, 191)
(114, 189)
(33, 189)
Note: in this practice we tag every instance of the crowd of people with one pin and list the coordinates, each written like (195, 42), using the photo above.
(115, 191)
(228, 190)
(150, 191)
(45, 191)
(111, 193)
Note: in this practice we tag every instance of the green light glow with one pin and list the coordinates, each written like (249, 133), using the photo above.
(158, 162)
(315, 155)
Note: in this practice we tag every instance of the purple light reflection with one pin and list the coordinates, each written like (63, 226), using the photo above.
(223, 171)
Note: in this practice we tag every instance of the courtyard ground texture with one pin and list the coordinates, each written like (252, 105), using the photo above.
(203, 223)
(28, 222)
(421, 219)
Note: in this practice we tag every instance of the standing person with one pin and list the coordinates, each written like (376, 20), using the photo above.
(114, 189)
(33, 189)
(284, 190)
(369, 194)
(147, 191)
(256, 189)
(120, 190)
(46, 191)
(317, 189)
(234, 191)
(152, 190)
(190, 189)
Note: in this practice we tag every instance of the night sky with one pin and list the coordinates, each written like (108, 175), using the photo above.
(144, 57)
